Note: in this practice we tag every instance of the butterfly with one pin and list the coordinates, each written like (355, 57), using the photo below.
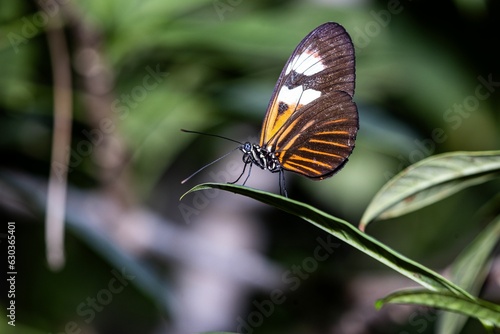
(311, 121)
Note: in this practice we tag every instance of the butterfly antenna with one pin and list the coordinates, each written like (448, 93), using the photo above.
(211, 163)
(212, 135)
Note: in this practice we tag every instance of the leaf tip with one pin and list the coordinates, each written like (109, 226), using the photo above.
(183, 195)
(195, 188)
(379, 303)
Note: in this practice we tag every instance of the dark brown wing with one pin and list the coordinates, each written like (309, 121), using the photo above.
(322, 63)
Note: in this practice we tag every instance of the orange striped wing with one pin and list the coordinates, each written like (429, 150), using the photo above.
(318, 141)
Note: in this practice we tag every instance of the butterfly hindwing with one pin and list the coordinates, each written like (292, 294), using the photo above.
(311, 122)
(319, 139)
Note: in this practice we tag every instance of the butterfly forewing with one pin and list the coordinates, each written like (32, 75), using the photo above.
(323, 62)
(311, 122)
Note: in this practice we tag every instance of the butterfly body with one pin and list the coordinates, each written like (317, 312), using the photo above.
(262, 157)
(311, 121)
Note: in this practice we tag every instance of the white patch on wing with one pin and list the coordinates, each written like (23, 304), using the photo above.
(306, 63)
(292, 96)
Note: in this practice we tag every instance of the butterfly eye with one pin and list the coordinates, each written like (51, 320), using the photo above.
(247, 147)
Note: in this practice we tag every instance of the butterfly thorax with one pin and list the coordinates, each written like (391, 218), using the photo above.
(264, 158)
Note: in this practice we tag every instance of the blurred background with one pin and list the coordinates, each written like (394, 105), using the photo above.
(121, 78)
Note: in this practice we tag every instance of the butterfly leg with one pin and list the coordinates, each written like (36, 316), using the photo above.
(249, 172)
(282, 183)
(239, 177)
(248, 161)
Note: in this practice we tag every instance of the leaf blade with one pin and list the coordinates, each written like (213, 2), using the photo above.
(469, 271)
(475, 308)
(347, 233)
(430, 180)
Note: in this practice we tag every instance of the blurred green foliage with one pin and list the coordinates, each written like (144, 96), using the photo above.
(428, 81)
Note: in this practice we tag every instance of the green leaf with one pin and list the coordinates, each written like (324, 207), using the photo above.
(347, 233)
(475, 308)
(469, 271)
(431, 180)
